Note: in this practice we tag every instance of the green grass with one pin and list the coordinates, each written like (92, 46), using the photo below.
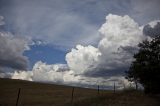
(40, 94)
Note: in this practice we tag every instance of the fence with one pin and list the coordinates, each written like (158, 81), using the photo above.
(75, 94)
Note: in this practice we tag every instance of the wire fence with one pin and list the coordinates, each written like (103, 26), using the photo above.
(51, 94)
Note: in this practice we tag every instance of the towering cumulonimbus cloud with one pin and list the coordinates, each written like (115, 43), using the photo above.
(120, 36)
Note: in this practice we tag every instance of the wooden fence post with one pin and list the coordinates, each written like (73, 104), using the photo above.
(19, 91)
(98, 89)
(72, 95)
(114, 88)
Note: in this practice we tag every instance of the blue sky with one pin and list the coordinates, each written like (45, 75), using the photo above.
(45, 53)
(93, 38)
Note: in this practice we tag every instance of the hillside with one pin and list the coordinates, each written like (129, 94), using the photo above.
(41, 94)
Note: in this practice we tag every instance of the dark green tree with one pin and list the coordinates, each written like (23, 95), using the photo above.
(145, 68)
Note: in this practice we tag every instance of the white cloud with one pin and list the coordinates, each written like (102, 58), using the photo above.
(119, 32)
(59, 73)
(24, 75)
(44, 72)
(82, 58)
(121, 35)
(48, 73)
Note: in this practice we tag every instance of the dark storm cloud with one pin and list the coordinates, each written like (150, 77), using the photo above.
(152, 31)
(104, 73)
(128, 49)
(14, 62)
(11, 52)
(5, 72)
(12, 48)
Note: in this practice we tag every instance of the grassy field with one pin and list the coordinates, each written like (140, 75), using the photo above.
(39, 94)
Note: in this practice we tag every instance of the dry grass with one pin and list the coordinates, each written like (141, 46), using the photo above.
(133, 98)
(38, 94)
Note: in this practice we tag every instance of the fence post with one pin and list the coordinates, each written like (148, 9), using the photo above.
(98, 89)
(136, 83)
(72, 95)
(19, 91)
(114, 88)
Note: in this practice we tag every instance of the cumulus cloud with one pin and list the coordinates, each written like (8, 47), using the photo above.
(48, 73)
(44, 72)
(59, 73)
(152, 29)
(82, 58)
(12, 49)
(23, 75)
(120, 37)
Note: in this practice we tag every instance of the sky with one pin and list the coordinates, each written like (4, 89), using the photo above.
(74, 42)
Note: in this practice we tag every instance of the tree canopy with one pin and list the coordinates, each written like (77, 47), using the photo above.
(145, 68)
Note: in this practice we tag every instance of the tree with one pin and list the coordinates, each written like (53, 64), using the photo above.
(145, 68)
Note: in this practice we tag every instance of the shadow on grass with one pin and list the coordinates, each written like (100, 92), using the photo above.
(121, 98)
